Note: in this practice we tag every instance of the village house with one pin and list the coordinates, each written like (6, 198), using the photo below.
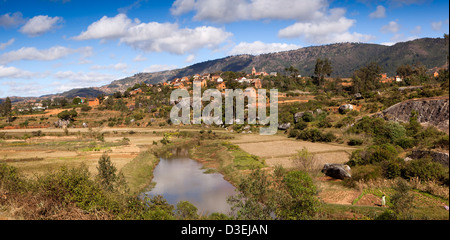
(219, 80)
(215, 77)
(221, 86)
(436, 74)
(206, 76)
(178, 86)
(94, 102)
(259, 73)
(136, 91)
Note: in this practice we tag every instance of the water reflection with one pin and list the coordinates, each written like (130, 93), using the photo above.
(180, 178)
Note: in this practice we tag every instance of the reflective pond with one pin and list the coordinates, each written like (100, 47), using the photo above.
(180, 178)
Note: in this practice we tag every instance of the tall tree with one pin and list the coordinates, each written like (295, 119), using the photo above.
(323, 68)
(367, 78)
(7, 109)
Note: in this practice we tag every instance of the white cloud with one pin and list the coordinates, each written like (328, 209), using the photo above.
(6, 44)
(107, 28)
(159, 68)
(7, 20)
(436, 26)
(190, 58)
(331, 29)
(53, 53)
(417, 30)
(118, 67)
(39, 25)
(391, 27)
(237, 10)
(379, 13)
(154, 36)
(140, 58)
(13, 72)
(257, 48)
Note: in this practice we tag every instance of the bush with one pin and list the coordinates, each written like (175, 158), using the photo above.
(186, 211)
(314, 135)
(86, 108)
(308, 117)
(301, 125)
(366, 173)
(304, 202)
(355, 142)
(405, 142)
(426, 170)
(373, 154)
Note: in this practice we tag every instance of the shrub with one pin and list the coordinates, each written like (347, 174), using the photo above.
(301, 125)
(86, 108)
(355, 142)
(405, 142)
(308, 117)
(314, 135)
(186, 211)
(426, 170)
(304, 202)
(373, 154)
(366, 173)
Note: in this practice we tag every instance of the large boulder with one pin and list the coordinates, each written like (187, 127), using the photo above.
(338, 171)
(299, 116)
(284, 126)
(345, 107)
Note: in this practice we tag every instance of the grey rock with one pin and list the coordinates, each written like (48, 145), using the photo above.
(345, 107)
(338, 171)
(284, 126)
(430, 111)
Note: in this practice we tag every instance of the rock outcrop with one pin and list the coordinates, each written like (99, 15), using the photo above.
(439, 157)
(430, 111)
(338, 171)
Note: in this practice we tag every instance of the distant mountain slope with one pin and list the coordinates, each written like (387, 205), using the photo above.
(345, 59)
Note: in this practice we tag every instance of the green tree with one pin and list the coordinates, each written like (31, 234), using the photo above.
(186, 211)
(68, 115)
(367, 78)
(106, 172)
(323, 68)
(7, 109)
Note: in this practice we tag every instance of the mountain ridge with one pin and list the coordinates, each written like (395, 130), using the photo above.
(345, 59)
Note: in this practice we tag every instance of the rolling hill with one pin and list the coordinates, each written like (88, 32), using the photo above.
(345, 59)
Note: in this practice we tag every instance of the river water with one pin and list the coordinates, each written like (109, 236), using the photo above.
(180, 178)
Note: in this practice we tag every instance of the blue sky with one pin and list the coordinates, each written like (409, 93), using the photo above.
(50, 46)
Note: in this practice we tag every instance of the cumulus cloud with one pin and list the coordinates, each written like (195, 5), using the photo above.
(13, 72)
(6, 44)
(107, 28)
(436, 26)
(190, 58)
(154, 36)
(140, 58)
(379, 13)
(118, 67)
(53, 53)
(391, 27)
(417, 30)
(39, 25)
(159, 68)
(237, 10)
(258, 47)
(9, 20)
(330, 29)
